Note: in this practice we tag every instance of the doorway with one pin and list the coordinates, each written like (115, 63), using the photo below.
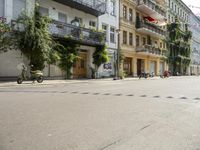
(140, 66)
(79, 67)
(128, 66)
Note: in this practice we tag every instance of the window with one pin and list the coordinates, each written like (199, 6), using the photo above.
(1, 8)
(92, 24)
(124, 37)
(164, 45)
(169, 17)
(44, 11)
(124, 12)
(144, 41)
(18, 7)
(62, 17)
(175, 8)
(161, 45)
(130, 38)
(130, 15)
(105, 28)
(137, 40)
(172, 6)
(181, 12)
(112, 7)
(112, 35)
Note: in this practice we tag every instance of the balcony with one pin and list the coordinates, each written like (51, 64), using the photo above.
(151, 29)
(152, 9)
(78, 34)
(93, 7)
(125, 21)
(151, 50)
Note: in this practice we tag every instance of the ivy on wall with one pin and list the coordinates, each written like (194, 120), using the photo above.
(178, 42)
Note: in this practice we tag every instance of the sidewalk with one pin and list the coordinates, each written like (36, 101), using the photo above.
(73, 81)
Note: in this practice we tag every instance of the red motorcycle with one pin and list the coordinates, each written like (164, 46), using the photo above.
(166, 74)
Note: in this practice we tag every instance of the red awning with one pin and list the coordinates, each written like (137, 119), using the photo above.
(150, 19)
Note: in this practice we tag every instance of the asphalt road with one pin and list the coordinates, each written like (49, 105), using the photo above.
(161, 114)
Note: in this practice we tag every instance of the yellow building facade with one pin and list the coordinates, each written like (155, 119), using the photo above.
(142, 37)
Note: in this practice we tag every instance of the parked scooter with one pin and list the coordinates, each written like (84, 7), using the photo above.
(35, 75)
(144, 75)
(166, 74)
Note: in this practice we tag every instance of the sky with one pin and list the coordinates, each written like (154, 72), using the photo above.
(194, 5)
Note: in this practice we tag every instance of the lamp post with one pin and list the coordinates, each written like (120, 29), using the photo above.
(118, 56)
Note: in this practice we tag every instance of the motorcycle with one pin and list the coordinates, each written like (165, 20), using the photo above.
(144, 75)
(166, 74)
(35, 75)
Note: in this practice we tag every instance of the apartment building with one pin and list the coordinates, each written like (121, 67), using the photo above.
(142, 36)
(178, 13)
(176, 8)
(127, 35)
(68, 17)
(109, 23)
(194, 23)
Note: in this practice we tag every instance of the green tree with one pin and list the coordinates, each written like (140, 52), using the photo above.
(100, 56)
(34, 39)
(5, 38)
(68, 55)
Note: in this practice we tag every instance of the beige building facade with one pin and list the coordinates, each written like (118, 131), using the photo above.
(142, 36)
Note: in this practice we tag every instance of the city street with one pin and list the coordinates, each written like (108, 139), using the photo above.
(131, 114)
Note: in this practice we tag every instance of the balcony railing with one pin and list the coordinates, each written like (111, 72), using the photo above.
(79, 34)
(153, 6)
(94, 7)
(150, 49)
(150, 26)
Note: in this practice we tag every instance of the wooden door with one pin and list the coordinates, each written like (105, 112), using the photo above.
(79, 67)
(128, 65)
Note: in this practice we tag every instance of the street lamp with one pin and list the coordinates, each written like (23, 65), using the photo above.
(118, 53)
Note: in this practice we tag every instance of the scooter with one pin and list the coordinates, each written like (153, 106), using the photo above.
(166, 74)
(35, 75)
(144, 75)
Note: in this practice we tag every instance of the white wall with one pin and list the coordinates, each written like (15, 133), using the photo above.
(71, 13)
(110, 21)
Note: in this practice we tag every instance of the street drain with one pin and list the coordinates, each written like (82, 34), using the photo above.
(106, 94)
(118, 94)
(74, 92)
(64, 92)
(197, 98)
(183, 98)
(130, 95)
(143, 96)
(85, 93)
(156, 97)
(169, 97)
(95, 93)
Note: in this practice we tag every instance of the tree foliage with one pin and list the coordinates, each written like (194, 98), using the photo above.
(100, 56)
(68, 55)
(34, 39)
(5, 38)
